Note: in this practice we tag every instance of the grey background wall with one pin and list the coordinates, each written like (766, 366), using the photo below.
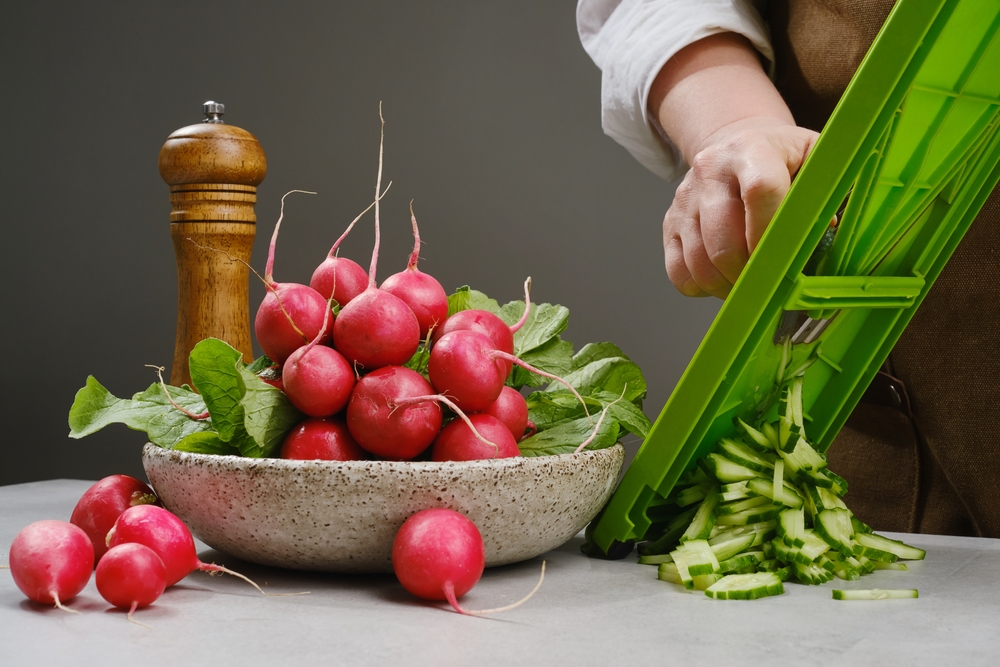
(492, 127)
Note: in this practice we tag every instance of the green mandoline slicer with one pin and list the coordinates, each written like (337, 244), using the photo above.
(907, 160)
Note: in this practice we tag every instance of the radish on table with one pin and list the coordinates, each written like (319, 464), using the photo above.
(101, 505)
(164, 533)
(438, 554)
(51, 561)
(131, 576)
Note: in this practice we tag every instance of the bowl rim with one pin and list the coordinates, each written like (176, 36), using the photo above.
(151, 450)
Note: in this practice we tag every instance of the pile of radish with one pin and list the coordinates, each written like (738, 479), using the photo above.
(138, 547)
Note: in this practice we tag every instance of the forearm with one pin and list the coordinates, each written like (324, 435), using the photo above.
(711, 84)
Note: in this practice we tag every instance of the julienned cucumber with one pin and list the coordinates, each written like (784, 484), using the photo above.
(764, 506)
(876, 594)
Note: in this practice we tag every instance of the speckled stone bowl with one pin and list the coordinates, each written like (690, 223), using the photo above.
(342, 516)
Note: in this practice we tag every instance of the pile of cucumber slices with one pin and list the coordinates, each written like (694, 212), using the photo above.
(764, 507)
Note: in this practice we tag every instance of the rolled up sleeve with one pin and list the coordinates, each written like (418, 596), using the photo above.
(630, 40)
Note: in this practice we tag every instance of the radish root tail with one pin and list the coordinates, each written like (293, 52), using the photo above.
(458, 411)
(269, 267)
(449, 592)
(214, 569)
(336, 246)
(597, 428)
(55, 597)
(514, 328)
(528, 367)
(131, 611)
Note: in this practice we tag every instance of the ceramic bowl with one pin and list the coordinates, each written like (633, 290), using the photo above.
(342, 516)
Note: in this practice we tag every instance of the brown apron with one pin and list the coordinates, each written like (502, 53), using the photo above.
(933, 464)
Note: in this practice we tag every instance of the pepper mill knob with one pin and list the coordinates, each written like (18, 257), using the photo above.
(213, 170)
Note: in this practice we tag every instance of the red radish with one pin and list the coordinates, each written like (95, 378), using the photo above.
(511, 409)
(167, 535)
(131, 576)
(51, 561)
(376, 328)
(317, 379)
(488, 324)
(381, 425)
(462, 365)
(321, 439)
(420, 291)
(291, 314)
(339, 277)
(458, 442)
(438, 554)
(100, 505)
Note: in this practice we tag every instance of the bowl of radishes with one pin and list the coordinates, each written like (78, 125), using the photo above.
(373, 402)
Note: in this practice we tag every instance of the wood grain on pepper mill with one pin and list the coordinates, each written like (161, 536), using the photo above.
(213, 170)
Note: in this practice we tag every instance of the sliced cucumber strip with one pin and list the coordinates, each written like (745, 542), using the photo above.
(697, 556)
(792, 527)
(834, 526)
(752, 515)
(729, 548)
(656, 559)
(694, 494)
(724, 470)
(739, 453)
(668, 572)
(704, 518)
(876, 594)
(740, 561)
(693, 476)
(879, 565)
(895, 547)
(754, 438)
(703, 581)
(746, 586)
(771, 432)
(740, 505)
(735, 491)
(790, 496)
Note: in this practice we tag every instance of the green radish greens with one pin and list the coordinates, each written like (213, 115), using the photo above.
(763, 508)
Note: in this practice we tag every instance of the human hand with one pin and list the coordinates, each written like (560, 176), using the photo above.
(722, 207)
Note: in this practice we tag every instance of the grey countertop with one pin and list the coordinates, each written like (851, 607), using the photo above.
(587, 612)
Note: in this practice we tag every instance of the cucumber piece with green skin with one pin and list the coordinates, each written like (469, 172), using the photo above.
(860, 526)
(656, 559)
(839, 487)
(792, 527)
(739, 453)
(698, 556)
(771, 432)
(725, 470)
(668, 572)
(703, 581)
(844, 571)
(873, 553)
(760, 531)
(788, 434)
(741, 505)
(752, 515)
(735, 491)
(694, 494)
(701, 525)
(763, 487)
(729, 548)
(816, 478)
(895, 547)
(671, 538)
(746, 586)
(753, 438)
(813, 547)
(879, 565)
(876, 594)
(740, 561)
(803, 458)
(834, 526)
(812, 574)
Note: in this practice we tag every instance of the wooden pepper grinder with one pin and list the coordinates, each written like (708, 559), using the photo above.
(213, 170)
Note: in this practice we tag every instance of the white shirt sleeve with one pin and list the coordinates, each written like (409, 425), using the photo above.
(630, 40)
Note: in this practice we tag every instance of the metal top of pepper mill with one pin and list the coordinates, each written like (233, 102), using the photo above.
(213, 111)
